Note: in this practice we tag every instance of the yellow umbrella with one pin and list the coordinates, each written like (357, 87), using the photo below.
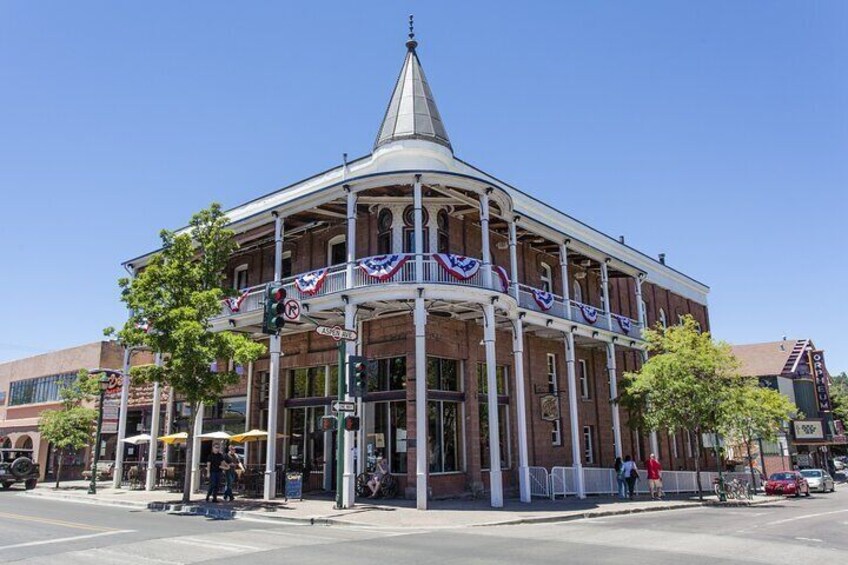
(252, 435)
(172, 439)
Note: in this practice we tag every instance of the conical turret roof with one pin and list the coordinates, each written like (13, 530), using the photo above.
(412, 112)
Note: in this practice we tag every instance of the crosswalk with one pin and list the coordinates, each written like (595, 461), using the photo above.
(179, 550)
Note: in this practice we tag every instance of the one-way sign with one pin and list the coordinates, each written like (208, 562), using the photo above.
(339, 406)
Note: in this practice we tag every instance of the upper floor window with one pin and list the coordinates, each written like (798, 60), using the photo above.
(337, 250)
(409, 230)
(577, 292)
(39, 389)
(661, 318)
(444, 232)
(443, 374)
(547, 277)
(240, 277)
(287, 265)
(385, 220)
(583, 377)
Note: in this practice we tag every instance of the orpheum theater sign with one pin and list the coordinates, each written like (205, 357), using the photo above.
(820, 380)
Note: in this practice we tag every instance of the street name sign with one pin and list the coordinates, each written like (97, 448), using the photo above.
(338, 333)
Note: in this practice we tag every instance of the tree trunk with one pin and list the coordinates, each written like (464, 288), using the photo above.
(189, 454)
(698, 464)
(59, 454)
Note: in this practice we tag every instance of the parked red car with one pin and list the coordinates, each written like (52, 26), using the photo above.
(787, 483)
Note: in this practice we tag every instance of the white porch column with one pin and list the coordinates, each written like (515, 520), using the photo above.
(521, 410)
(563, 269)
(421, 435)
(495, 474)
(418, 219)
(513, 258)
(270, 486)
(122, 420)
(350, 244)
(195, 449)
(576, 455)
(640, 306)
(613, 390)
(605, 289)
(349, 490)
(153, 446)
(484, 231)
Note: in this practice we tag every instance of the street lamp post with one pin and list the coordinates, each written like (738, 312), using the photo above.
(104, 385)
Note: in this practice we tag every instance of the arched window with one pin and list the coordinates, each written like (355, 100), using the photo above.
(240, 281)
(409, 230)
(24, 442)
(384, 231)
(546, 276)
(577, 292)
(661, 318)
(444, 233)
(337, 250)
(7, 444)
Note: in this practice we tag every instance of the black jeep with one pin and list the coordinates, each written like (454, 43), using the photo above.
(17, 466)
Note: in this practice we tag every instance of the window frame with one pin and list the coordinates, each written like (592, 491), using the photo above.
(333, 242)
(588, 446)
(583, 380)
(546, 276)
(244, 268)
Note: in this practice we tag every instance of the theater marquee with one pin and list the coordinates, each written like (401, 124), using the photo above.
(820, 380)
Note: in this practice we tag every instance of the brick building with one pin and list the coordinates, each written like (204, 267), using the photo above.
(480, 303)
(31, 385)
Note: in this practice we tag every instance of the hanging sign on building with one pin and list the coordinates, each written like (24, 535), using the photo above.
(820, 380)
(808, 429)
(549, 405)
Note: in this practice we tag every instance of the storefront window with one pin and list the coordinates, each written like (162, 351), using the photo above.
(443, 374)
(443, 430)
(306, 447)
(385, 435)
(309, 382)
(501, 376)
(391, 375)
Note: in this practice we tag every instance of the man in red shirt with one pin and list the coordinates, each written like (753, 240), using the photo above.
(654, 477)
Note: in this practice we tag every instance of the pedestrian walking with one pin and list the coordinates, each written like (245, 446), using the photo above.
(654, 470)
(214, 463)
(233, 465)
(620, 478)
(631, 475)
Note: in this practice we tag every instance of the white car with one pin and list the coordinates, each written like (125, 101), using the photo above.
(819, 480)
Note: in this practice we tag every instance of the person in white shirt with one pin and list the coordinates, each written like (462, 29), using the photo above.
(631, 474)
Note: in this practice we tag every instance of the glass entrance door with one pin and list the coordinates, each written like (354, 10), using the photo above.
(385, 435)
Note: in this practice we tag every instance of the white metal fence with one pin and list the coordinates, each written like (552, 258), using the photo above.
(603, 481)
(539, 482)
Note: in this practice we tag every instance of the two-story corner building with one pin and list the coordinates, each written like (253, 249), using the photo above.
(795, 368)
(501, 325)
(31, 385)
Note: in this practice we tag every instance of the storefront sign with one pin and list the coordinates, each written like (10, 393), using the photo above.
(549, 405)
(808, 429)
(294, 485)
(820, 380)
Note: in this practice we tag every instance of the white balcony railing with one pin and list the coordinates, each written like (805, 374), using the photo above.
(336, 282)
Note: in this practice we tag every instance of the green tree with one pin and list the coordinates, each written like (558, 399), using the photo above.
(839, 396)
(684, 383)
(176, 295)
(70, 429)
(753, 412)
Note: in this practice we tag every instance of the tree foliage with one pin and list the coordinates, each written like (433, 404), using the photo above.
(172, 301)
(839, 396)
(70, 428)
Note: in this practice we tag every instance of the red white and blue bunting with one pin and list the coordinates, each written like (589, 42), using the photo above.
(234, 303)
(503, 276)
(543, 298)
(624, 322)
(311, 283)
(383, 267)
(590, 314)
(458, 266)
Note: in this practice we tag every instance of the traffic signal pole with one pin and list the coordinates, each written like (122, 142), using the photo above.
(340, 433)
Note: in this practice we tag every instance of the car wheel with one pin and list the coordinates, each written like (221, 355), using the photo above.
(6, 486)
(31, 484)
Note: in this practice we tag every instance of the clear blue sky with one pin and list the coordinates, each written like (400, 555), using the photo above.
(715, 132)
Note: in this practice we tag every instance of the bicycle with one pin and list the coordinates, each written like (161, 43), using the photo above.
(388, 486)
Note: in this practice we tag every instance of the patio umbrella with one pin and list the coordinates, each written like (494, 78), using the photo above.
(136, 440)
(215, 435)
(252, 435)
(172, 439)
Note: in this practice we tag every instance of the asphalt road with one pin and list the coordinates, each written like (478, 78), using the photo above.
(37, 530)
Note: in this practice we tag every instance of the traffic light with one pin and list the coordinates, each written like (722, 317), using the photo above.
(360, 371)
(351, 423)
(328, 423)
(275, 298)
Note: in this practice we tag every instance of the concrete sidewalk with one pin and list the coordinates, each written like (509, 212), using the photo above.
(385, 514)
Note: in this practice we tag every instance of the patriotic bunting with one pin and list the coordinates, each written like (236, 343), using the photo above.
(459, 267)
(590, 314)
(544, 299)
(503, 276)
(234, 303)
(624, 322)
(311, 283)
(383, 267)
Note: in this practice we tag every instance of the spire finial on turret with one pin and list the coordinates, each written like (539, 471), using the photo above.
(411, 44)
